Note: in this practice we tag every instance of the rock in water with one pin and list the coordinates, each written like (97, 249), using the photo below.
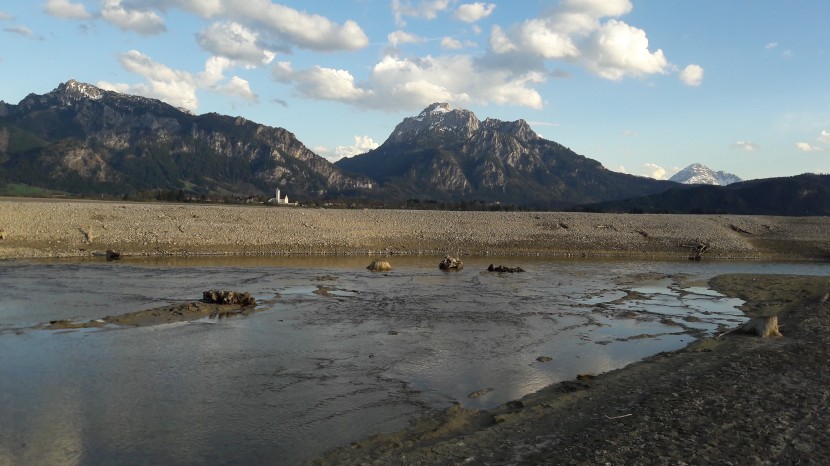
(450, 263)
(379, 266)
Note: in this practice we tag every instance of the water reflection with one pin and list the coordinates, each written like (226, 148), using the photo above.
(337, 352)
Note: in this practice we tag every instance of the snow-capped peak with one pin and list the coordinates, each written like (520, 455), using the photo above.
(81, 90)
(697, 173)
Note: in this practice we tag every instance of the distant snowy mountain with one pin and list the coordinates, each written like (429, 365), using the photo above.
(701, 174)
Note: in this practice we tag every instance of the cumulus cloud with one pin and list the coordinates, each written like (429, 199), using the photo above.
(427, 9)
(66, 9)
(575, 32)
(320, 83)
(404, 84)
(746, 146)
(362, 144)
(402, 37)
(652, 170)
(824, 136)
(692, 75)
(236, 42)
(178, 87)
(472, 12)
(144, 22)
(295, 27)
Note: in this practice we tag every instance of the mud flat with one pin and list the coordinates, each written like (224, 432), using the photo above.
(60, 228)
(735, 399)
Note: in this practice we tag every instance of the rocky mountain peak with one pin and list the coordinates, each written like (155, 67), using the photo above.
(78, 90)
(437, 122)
(698, 173)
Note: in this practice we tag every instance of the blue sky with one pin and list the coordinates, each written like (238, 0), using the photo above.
(643, 86)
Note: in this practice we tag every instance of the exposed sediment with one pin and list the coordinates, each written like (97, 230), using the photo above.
(60, 228)
(737, 399)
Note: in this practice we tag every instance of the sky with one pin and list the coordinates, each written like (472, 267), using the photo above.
(645, 87)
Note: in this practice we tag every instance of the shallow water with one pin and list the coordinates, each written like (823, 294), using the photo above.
(336, 353)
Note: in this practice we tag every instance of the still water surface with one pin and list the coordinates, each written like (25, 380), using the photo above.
(336, 353)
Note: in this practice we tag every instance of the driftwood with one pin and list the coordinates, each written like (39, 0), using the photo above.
(501, 268)
(229, 297)
(698, 247)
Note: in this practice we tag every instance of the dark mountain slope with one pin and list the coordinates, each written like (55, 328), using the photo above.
(450, 154)
(82, 139)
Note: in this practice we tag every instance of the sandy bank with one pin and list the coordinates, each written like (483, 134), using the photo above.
(737, 399)
(56, 228)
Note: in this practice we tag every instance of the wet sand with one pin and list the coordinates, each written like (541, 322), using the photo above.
(736, 399)
(61, 228)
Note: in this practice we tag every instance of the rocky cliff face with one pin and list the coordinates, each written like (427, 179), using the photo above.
(123, 143)
(451, 154)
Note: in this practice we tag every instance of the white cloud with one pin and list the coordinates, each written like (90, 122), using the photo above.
(144, 22)
(472, 12)
(238, 87)
(362, 144)
(6, 16)
(402, 37)
(618, 50)
(692, 75)
(321, 83)
(807, 147)
(20, 30)
(574, 32)
(177, 87)
(66, 9)
(771, 45)
(406, 84)
(823, 139)
(296, 27)
(234, 41)
(427, 9)
(449, 43)
(652, 170)
(746, 146)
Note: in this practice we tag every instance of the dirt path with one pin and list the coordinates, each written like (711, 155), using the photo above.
(738, 399)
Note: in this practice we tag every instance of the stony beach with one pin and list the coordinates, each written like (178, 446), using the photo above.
(63, 228)
(733, 399)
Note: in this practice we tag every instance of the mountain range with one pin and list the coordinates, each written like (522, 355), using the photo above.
(81, 140)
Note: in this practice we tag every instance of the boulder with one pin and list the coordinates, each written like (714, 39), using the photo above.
(450, 263)
(379, 266)
(2, 233)
(112, 255)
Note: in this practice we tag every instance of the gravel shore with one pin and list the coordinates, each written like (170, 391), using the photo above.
(61, 228)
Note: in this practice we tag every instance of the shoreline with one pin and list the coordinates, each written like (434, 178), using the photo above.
(38, 228)
(735, 399)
